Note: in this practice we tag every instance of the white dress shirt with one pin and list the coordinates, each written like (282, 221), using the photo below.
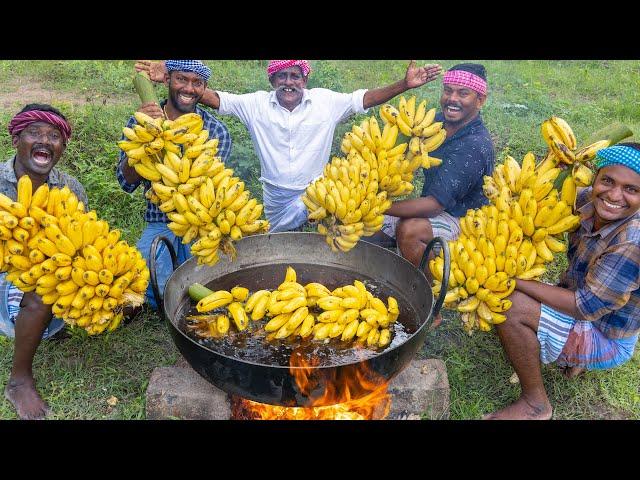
(293, 147)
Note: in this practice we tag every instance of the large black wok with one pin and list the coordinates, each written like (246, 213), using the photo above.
(261, 262)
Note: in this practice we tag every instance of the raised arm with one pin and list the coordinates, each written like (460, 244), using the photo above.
(415, 77)
(157, 73)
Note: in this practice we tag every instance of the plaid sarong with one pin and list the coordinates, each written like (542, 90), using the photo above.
(575, 343)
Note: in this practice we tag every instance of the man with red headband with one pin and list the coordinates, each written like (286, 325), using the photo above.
(455, 186)
(40, 134)
(591, 320)
(292, 127)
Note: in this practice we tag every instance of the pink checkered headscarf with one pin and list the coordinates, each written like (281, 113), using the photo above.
(24, 119)
(466, 79)
(277, 65)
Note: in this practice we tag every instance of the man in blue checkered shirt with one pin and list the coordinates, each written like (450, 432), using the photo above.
(186, 81)
(591, 320)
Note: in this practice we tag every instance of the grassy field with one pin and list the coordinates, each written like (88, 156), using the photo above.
(79, 376)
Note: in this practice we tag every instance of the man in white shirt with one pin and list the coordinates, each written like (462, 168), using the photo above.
(292, 127)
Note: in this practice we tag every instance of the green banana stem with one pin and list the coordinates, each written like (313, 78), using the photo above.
(197, 292)
(616, 132)
(144, 87)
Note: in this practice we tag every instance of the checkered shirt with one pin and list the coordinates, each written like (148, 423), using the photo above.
(604, 271)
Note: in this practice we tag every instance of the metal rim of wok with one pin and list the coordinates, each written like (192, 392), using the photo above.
(273, 384)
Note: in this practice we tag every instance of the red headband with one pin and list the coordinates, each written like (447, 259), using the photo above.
(466, 79)
(24, 119)
(277, 65)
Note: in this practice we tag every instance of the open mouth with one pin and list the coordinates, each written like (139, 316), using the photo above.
(187, 98)
(42, 156)
(612, 206)
(288, 90)
(452, 109)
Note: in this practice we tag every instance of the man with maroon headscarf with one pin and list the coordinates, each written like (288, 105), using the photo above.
(292, 127)
(450, 190)
(39, 134)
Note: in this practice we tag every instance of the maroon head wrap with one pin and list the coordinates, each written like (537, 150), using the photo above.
(277, 65)
(466, 79)
(24, 119)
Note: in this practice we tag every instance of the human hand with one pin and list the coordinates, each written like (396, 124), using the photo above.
(418, 76)
(152, 109)
(155, 70)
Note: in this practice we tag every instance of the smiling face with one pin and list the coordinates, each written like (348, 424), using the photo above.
(38, 149)
(185, 90)
(460, 104)
(289, 84)
(615, 194)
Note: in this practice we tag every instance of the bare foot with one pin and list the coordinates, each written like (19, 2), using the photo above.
(573, 372)
(26, 400)
(522, 410)
(436, 321)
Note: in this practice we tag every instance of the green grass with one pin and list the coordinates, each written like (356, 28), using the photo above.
(77, 375)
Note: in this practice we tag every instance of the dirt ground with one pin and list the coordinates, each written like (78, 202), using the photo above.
(21, 91)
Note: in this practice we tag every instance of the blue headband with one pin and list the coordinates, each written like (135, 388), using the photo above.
(619, 155)
(195, 66)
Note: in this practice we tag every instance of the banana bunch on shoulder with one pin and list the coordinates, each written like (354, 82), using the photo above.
(294, 310)
(204, 202)
(75, 262)
(512, 238)
(563, 145)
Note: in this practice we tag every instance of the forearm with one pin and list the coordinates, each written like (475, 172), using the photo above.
(558, 298)
(210, 99)
(423, 207)
(380, 95)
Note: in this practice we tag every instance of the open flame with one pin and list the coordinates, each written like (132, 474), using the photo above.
(355, 393)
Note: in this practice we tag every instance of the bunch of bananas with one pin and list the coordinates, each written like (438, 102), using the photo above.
(563, 148)
(295, 310)
(349, 200)
(50, 245)
(346, 201)
(418, 125)
(204, 202)
(512, 238)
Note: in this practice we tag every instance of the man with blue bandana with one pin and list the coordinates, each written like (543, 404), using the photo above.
(187, 82)
(591, 320)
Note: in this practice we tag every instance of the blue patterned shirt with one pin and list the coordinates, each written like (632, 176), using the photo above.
(216, 129)
(604, 271)
(466, 157)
